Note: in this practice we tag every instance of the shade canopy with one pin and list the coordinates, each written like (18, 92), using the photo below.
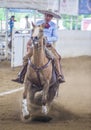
(30, 4)
(70, 7)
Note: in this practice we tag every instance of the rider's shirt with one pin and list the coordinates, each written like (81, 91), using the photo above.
(50, 32)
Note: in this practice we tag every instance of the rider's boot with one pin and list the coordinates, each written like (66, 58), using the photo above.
(60, 76)
(25, 111)
(49, 55)
(59, 72)
(21, 75)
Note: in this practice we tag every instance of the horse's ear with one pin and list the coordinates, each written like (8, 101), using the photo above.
(33, 24)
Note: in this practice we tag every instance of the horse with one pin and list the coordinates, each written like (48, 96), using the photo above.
(41, 82)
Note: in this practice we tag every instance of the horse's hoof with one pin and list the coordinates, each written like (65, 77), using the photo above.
(25, 119)
(44, 110)
(26, 116)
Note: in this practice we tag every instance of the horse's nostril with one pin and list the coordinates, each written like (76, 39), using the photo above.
(36, 37)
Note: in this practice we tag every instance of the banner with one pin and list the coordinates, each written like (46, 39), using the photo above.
(20, 10)
(69, 7)
(85, 7)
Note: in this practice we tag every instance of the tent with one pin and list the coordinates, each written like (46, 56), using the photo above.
(30, 4)
(74, 7)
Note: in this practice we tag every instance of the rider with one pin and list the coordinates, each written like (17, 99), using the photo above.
(50, 32)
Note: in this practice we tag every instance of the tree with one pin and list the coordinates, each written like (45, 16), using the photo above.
(2, 14)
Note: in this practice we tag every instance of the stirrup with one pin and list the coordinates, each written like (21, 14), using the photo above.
(17, 80)
(61, 79)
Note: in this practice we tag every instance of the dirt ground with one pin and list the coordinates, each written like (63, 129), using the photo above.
(71, 109)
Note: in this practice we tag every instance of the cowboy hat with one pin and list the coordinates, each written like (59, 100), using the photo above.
(55, 14)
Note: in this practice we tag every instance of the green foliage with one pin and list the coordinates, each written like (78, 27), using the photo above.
(2, 14)
(73, 22)
(69, 22)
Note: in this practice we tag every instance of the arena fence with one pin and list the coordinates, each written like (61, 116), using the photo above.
(2, 47)
(74, 43)
(70, 44)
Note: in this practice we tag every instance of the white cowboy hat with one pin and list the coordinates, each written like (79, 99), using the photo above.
(55, 14)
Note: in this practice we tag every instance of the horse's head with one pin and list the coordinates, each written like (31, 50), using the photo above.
(37, 33)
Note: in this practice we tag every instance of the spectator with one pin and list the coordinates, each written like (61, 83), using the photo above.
(27, 25)
(11, 23)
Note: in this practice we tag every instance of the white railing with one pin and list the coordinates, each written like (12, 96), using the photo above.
(70, 44)
(19, 44)
(74, 43)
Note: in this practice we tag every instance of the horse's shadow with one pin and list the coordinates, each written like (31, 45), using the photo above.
(57, 113)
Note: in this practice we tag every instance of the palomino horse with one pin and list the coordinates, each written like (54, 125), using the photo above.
(39, 82)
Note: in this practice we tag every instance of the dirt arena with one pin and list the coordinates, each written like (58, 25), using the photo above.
(71, 110)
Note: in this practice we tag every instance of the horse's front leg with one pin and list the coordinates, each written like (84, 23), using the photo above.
(25, 111)
(44, 97)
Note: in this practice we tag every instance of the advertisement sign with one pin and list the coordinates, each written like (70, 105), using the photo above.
(69, 7)
(86, 24)
(84, 6)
